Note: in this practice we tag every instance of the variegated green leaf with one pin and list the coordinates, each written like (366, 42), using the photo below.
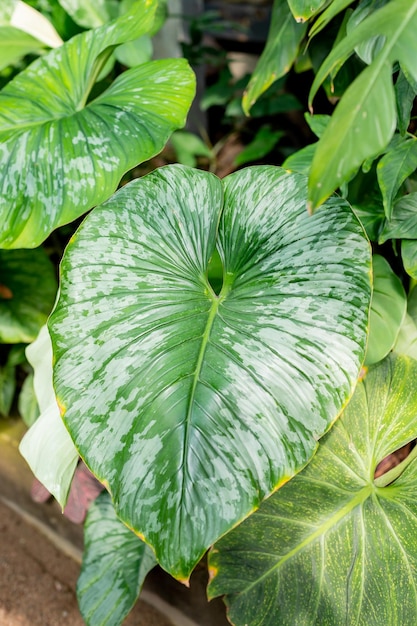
(27, 293)
(115, 564)
(281, 49)
(61, 154)
(335, 546)
(193, 406)
(365, 118)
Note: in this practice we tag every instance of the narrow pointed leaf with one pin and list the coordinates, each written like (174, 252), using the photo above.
(194, 407)
(394, 167)
(330, 546)
(365, 118)
(27, 293)
(303, 10)
(281, 49)
(60, 154)
(115, 564)
(328, 14)
(388, 308)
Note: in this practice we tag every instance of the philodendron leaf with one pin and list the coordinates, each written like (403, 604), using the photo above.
(27, 293)
(281, 49)
(194, 407)
(330, 546)
(388, 309)
(47, 447)
(115, 564)
(59, 154)
(365, 118)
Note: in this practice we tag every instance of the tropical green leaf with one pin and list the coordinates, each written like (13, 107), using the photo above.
(331, 545)
(405, 94)
(47, 447)
(393, 168)
(14, 44)
(193, 407)
(364, 120)
(388, 308)
(32, 22)
(188, 146)
(403, 224)
(284, 38)
(301, 160)
(60, 154)
(115, 564)
(406, 342)
(317, 123)
(409, 256)
(326, 17)
(135, 52)
(27, 293)
(87, 13)
(264, 141)
(27, 404)
(303, 10)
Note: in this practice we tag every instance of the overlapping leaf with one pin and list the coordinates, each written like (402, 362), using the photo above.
(303, 10)
(365, 119)
(281, 49)
(27, 293)
(193, 407)
(61, 154)
(394, 167)
(115, 564)
(332, 544)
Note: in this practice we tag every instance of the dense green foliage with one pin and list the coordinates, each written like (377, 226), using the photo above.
(209, 331)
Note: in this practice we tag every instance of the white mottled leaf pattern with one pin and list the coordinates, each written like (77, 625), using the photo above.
(194, 407)
(62, 154)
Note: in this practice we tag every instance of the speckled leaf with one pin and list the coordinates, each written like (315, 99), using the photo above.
(365, 118)
(281, 49)
(334, 546)
(115, 564)
(61, 154)
(388, 308)
(47, 447)
(27, 293)
(193, 407)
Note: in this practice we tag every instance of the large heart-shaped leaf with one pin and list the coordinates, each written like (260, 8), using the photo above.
(60, 154)
(193, 407)
(27, 293)
(115, 564)
(335, 546)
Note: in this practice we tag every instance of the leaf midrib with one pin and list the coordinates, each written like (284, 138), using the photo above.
(322, 529)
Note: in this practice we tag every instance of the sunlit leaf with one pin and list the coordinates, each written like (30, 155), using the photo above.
(61, 154)
(284, 38)
(388, 308)
(115, 564)
(332, 545)
(193, 406)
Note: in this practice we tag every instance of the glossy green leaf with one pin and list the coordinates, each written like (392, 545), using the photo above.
(405, 94)
(328, 14)
(317, 123)
(303, 10)
(193, 407)
(409, 256)
(135, 52)
(406, 342)
(87, 13)
(301, 160)
(403, 224)
(264, 141)
(332, 547)
(393, 168)
(284, 38)
(61, 154)
(366, 50)
(365, 118)
(388, 308)
(115, 564)
(27, 293)
(47, 447)
(14, 44)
